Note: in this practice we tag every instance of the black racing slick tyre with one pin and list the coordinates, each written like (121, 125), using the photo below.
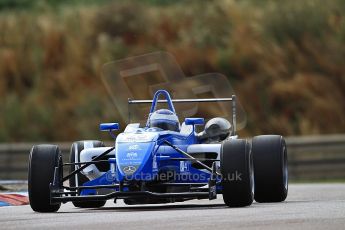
(270, 168)
(42, 162)
(236, 166)
(76, 148)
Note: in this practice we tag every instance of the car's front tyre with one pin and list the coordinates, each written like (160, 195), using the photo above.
(236, 167)
(42, 162)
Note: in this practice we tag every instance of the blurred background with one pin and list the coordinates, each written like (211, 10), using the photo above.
(285, 60)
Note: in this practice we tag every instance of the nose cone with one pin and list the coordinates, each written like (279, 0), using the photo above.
(134, 160)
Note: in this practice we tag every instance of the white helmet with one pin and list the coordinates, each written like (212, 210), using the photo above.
(164, 119)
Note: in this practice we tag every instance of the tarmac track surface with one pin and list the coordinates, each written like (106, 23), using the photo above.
(308, 206)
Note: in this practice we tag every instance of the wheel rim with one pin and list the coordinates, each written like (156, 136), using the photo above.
(285, 168)
(251, 171)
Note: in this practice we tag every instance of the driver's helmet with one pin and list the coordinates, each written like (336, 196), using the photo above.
(164, 119)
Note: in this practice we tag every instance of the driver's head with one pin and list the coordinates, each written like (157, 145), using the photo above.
(165, 119)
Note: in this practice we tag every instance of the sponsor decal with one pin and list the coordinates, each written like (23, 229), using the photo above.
(132, 155)
(134, 147)
(129, 169)
(135, 137)
(183, 166)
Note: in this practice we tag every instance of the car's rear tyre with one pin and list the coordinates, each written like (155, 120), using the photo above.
(76, 148)
(42, 162)
(236, 166)
(270, 168)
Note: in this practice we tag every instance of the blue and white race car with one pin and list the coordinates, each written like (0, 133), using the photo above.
(162, 161)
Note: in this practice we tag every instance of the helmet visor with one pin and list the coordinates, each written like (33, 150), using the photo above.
(165, 125)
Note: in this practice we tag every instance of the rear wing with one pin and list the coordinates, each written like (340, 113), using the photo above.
(232, 99)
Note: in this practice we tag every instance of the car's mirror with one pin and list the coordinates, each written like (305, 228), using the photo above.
(109, 126)
(194, 121)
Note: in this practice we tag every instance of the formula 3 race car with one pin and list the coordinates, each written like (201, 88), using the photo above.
(162, 161)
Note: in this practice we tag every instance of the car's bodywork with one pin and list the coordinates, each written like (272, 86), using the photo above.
(149, 165)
